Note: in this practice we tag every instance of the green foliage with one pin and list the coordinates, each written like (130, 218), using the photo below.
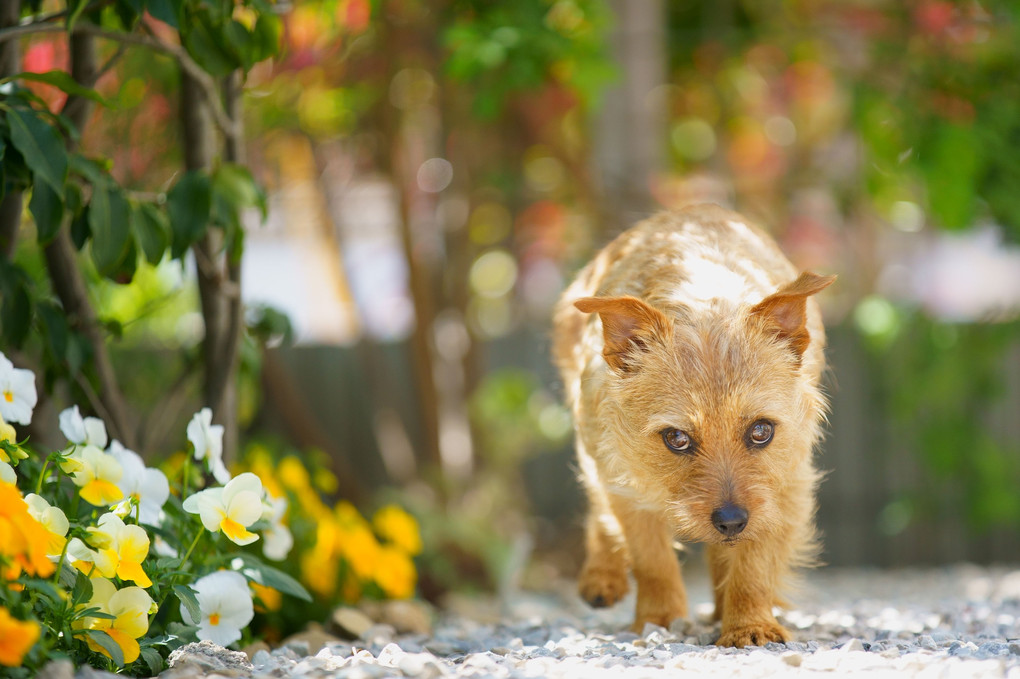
(939, 112)
(943, 383)
(115, 226)
(503, 49)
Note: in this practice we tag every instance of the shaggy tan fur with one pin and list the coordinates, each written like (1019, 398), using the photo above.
(694, 322)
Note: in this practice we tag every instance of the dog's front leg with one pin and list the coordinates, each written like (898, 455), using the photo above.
(752, 574)
(661, 597)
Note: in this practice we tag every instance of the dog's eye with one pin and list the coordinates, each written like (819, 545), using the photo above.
(677, 441)
(760, 432)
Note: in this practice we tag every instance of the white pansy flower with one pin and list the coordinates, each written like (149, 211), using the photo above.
(277, 538)
(7, 474)
(231, 509)
(148, 486)
(17, 392)
(82, 431)
(208, 441)
(225, 604)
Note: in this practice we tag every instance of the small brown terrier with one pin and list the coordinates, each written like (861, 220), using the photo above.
(694, 384)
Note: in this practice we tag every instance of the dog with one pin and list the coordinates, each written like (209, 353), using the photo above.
(691, 353)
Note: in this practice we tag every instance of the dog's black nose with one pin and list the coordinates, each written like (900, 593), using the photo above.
(729, 519)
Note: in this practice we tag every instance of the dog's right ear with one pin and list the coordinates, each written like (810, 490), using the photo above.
(628, 325)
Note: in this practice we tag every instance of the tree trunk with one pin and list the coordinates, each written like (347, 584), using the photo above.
(217, 294)
(630, 132)
(65, 273)
(393, 126)
(10, 63)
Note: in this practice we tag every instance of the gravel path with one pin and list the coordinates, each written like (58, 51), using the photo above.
(962, 621)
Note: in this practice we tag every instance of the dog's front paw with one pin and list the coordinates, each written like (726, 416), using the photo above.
(602, 586)
(757, 634)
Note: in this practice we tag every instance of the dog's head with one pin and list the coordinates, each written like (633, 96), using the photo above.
(709, 412)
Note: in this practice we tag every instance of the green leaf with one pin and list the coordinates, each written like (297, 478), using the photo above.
(108, 221)
(189, 203)
(93, 612)
(88, 168)
(63, 81)
(257, 571)
(108, 644)
(56, 330)
(76, 7)
(82, 587)
(153, 660)
(80, 231)
(151, 231)
(190, 601)
(40, 146)
(241, 43)
(46, 589)
(205, 43)
(165, 11)
(16, 311)
(69, 576)
(47, 209)
(238, 187)
(267, 32)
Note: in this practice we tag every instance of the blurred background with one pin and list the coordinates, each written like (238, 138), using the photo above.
(435, 171)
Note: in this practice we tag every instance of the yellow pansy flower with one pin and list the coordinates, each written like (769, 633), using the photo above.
(98, 476)
(23, 540)
(395, 572)
(130, 608)
(360, 549)
(397, 526)
(119, 551)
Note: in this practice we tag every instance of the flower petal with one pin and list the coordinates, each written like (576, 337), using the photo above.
(131, 606)
(72, 426)
(101, 493)
(236, 532)
(241, 483)
(95, 432)
(154, 487)
(7, 474)
(245, 508)
(218, 634)
(132, 570)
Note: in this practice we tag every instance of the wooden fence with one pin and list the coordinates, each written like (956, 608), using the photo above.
(331, 398)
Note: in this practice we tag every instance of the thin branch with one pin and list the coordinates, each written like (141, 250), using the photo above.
(227, 287)
(55, 16)
(97, 404)
(157, 425)
(208, 84)
(111, 62)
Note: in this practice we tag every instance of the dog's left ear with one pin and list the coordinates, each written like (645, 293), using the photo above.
(786, 309)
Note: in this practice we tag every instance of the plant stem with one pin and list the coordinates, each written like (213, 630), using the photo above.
(60, 564)
(194, 542)
(42, 477)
